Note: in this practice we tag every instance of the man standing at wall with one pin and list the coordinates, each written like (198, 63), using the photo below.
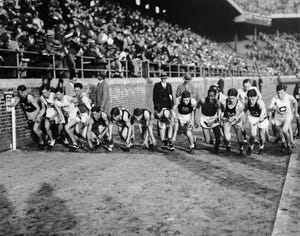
(162, 93)
(186, 86)
(102, 93)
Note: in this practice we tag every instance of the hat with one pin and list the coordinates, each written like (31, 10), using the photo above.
(163, 75)
(56, 44)
(101, 74)
(50, 33)
(187, 76)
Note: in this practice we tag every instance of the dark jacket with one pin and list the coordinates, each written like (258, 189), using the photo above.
(102, 96)
(162, 96)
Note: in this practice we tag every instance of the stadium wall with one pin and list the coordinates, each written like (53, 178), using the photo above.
(129, 93)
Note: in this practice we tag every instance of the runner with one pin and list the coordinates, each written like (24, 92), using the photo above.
(184, 114)
(50, 110)
(284, 106)
(233, 112)
(84, 107)
(32, 112)
(67, 113)
(165, 123)
(98, 131)
(242, 95)
(257, 118)
(121, 117)
(145, 121)
(210, 114)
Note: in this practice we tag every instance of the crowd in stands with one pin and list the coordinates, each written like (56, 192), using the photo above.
(279, 51)
(103, 30)
(268, 7)
(107, 35)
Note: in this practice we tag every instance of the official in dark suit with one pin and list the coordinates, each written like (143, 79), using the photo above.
(162, 93)
(102, 93)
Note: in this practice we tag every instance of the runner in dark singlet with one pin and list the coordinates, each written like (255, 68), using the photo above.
(32, 111)
(121, 118)
(145, 121)
(98, 131)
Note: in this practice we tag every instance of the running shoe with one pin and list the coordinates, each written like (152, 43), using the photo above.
(171, 146)
(249, 151)
(51, 143)
(192, 150)
(260, 151)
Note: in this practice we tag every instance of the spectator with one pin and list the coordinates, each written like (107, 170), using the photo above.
(102, 93)
(162, 93)
(186, 86)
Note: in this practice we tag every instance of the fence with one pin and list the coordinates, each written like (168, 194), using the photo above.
(17, 64)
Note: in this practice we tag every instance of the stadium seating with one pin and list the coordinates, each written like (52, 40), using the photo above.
(106, 34)
(268, 7)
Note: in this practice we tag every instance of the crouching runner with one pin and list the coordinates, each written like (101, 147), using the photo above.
(98, 129)
(165, 123)
(234, 110)
(121, 117)
(258, 120)
(210, 112)
(145, 121)
(284, 105)
(184, 114)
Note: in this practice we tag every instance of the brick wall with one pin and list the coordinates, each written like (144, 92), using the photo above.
(129, 93)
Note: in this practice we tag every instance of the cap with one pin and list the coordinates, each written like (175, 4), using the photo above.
(187, 76)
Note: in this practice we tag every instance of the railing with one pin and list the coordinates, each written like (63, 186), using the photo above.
(24, 64)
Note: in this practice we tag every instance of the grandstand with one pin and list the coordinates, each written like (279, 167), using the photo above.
(126, 38)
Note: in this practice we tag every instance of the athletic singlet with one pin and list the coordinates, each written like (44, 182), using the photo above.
(28, 107)
(81, 105)
(49, 102)
(283, 107)
(66, 105)
(230, 112)
(121, 122)
(209, 108)
(255, 110)
(185, 109)
(97, 123)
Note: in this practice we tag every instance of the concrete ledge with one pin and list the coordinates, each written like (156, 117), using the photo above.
(287, 222)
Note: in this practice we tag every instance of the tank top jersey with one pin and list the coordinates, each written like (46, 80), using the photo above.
(66, 105)
(81, 105)
(49, 102)
(27, 106)
(97, 123)
(121, 122)
(185, 109)
(210, 108)
(283, 107)
(254, 111)
(230, 112)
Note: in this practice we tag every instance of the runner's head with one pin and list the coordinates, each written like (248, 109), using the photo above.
(252, 96)
(115, 113)
(95, 111)
(22, 90)
(246, 84)
(78, 88)
(59, 93)
(232, 95)
(138, 114)
(211, 94)
(46, 91)
(186, 97)
(280, 90)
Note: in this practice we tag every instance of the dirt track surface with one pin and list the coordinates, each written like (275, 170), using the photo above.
(139, 193)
